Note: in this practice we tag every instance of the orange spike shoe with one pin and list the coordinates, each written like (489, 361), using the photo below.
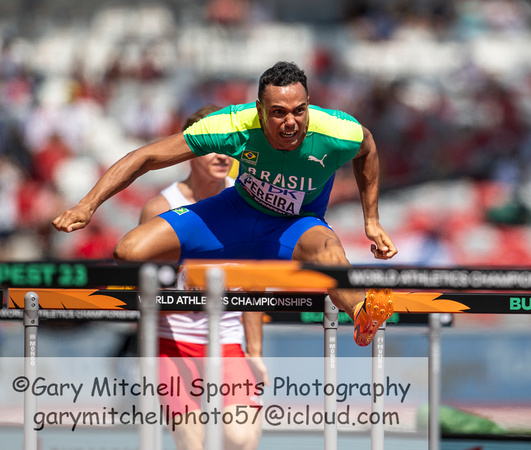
(371, 313)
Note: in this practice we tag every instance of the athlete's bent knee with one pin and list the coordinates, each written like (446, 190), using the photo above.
(333, 252)
(125, 250)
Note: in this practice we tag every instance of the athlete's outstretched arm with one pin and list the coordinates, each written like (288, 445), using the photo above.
(366, 170)
(164, 153)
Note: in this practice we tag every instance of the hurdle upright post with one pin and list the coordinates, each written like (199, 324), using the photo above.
(215, 279)
(378, 376)
(330, 319)
(150, 435)
(434, 374)
(31, 324)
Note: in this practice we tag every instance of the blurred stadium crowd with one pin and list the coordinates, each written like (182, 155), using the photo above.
(445, 87)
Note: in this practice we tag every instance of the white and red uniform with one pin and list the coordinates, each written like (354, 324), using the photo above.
(193, 327)
(183, 341)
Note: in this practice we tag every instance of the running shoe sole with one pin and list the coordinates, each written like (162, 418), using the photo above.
(371, 313)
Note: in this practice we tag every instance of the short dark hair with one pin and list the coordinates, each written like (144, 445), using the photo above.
(199, 114)
(281, 74)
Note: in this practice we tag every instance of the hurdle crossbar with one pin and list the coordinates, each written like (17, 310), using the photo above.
(259, 275)
(266, 301)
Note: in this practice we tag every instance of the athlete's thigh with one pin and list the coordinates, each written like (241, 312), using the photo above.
(216, 227)
(291, 234)
(179, 369)
(152, 240)
(238, 375)
(320, 244)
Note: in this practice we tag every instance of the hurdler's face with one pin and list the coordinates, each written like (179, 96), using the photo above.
(212, 166)
(284, 115)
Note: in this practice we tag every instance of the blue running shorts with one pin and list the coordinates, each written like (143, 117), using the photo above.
(226, 227)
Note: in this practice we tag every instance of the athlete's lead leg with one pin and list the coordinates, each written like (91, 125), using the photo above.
(321, 245)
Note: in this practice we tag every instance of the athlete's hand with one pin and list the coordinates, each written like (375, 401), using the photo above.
(383, 247)
(73, 219)
(257, 365)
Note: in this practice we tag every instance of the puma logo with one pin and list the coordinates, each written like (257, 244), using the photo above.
(320, 161)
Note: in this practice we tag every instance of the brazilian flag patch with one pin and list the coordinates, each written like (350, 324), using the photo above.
(250, 156)
(181, 210)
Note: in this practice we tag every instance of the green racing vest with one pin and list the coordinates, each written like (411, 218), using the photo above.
(279, 182)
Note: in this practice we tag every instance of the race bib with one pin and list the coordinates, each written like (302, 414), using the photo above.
(277, 199)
